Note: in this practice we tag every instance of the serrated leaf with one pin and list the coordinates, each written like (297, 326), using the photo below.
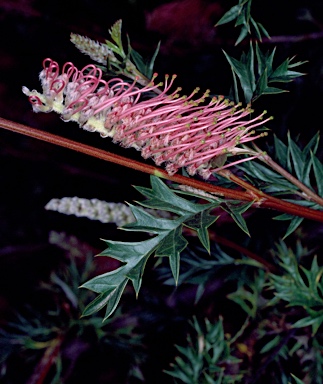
(236, 213)
(100, 301)
(168, 242)
(161, 196)
(171, 246)
(200, 222)
(114, 300)
(145, 222)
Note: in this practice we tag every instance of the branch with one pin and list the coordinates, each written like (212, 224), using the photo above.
(260, 199)
(308, 193)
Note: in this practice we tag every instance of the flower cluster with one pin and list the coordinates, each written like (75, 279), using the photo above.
(182, 131)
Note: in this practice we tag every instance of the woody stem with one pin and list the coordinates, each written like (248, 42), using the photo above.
(259, 198)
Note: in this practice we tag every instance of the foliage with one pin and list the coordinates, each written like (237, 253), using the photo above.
(169, 241)
(303, 163)
(40, 334)
(298, 289)
(205, 358)
(255, 73)
(242, 14)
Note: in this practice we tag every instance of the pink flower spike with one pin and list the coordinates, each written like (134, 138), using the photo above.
(178, 130)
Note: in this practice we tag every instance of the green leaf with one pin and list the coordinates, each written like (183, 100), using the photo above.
(144, 66)
(242, 14)
(236, 211)
(297, 157)
(264, 30)
(200, 222)
(161, 197)
(281, 151)
(168, 242)
(145, 222)
(300, 289)
(243, 33)
(318, 172)
(261, 84)
(273, 91)
(115, 33)
(171, 246)
(229, 15)
(271, 344)
(242, 70)
(110, 298)
(297, 380)
(294, 224)
(283, 74)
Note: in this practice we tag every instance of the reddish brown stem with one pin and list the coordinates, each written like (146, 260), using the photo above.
(50, 355)
(260, 199)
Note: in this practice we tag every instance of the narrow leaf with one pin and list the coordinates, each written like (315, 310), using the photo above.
(294, 224)
(229, 16)
(318, 172)
(297, 157)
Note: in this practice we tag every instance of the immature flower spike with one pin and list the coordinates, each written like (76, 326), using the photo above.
(181, 131)
(93, 209)
(98, 52)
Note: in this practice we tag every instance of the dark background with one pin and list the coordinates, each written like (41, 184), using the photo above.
(33, 172)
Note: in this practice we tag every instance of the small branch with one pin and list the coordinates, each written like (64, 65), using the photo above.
(308, 192)
(264, 200)
(260, 198)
